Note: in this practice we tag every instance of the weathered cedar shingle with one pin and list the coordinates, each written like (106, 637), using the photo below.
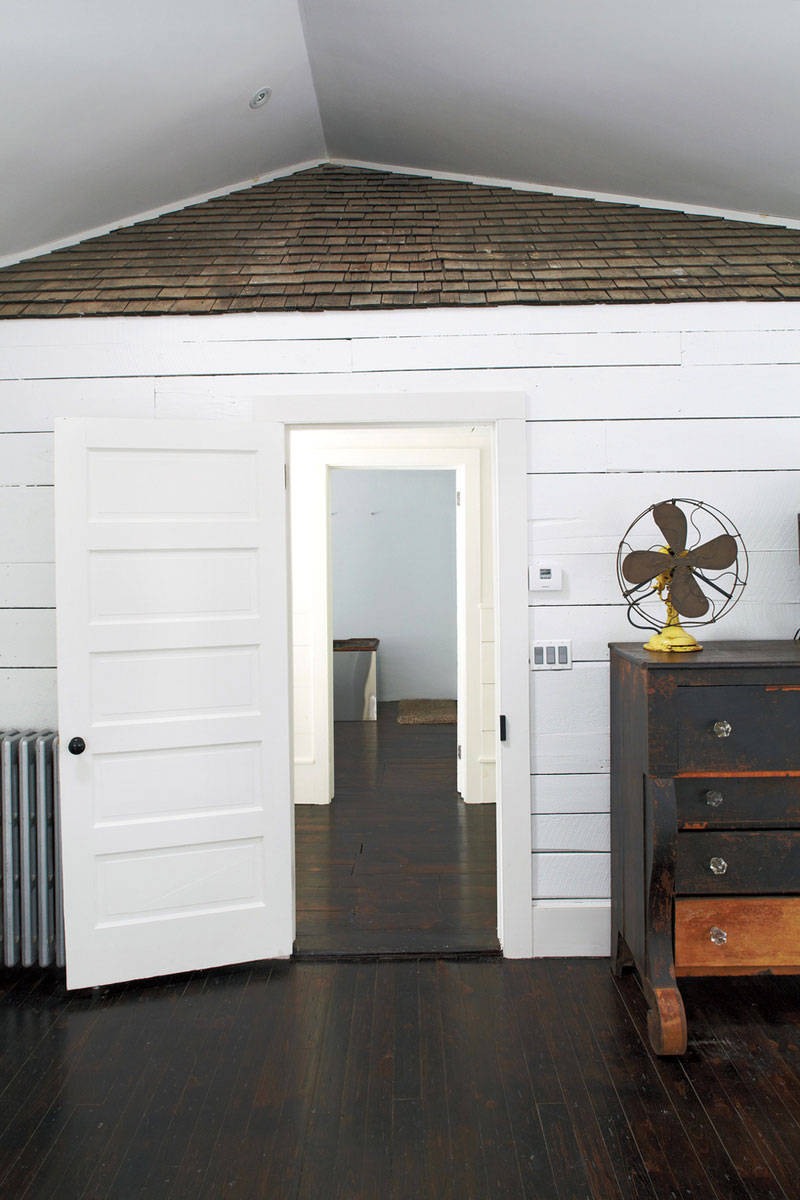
(335, 237)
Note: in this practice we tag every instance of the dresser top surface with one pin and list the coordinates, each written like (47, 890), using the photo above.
(728, 654)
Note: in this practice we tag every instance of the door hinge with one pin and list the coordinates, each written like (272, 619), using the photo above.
(285, 476)
(502, 728)
(459, 752)
(458, 499)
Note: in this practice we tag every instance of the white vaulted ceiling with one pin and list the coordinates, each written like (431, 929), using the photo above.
(113, 111)
(113, 108)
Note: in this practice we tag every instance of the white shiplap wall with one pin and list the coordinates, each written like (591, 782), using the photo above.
(626, 405)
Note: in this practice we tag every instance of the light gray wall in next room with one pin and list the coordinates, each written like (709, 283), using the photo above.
(394, 575)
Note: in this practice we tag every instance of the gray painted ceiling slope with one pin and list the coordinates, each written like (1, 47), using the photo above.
(117, 111)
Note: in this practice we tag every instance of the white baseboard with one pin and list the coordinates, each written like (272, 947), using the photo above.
(567, 928)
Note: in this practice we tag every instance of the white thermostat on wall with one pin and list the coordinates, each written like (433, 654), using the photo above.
(544, 576)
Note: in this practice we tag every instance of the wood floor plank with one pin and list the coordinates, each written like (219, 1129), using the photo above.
(777, 1028)
(704, 1065)
(175, 1041)
(749, 1164)
(288, 1087)
(407, 1064)
(642, 1083)
(577, 1003)
(378, 1144)
(592, 1147)
(705, 1160)
(34, 1016)
(481, 997)
(157, 1016)
(78, 1034)
(214, 1146)
(529, 1143)
(468, 1164)
(346, 1177)
(569, 1170)
(526, 981)
(761, 1062)
(408, 1165)
(54, 1154)
(747, 1090)
(103, 1131)
(187, 1117)
(320, 1143)
(397, 862)
(280, 1001)
(422, 1080)
(438, 1161)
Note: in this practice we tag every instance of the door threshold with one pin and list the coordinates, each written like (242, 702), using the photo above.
(396, 955)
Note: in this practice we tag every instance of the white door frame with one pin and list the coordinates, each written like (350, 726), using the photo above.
(505, 413)
(311, 460)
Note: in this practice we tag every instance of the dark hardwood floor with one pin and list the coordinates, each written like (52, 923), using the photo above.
(397, 864)
(413, 1080)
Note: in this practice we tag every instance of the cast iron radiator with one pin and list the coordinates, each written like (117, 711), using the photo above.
(32, 926)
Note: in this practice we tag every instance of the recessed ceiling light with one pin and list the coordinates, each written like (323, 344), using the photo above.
(261, 97)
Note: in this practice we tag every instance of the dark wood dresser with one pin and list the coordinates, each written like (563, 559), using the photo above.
(705, 818)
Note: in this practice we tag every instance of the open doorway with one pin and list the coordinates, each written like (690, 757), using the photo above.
(398, 863)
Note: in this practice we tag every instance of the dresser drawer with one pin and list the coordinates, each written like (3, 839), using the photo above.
(737, 934)
(737, 728)
(767, 861)
(710, 803)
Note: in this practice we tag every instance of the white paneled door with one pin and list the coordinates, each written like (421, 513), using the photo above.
(173, 671)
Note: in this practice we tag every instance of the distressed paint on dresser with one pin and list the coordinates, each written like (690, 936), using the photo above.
(721, 895)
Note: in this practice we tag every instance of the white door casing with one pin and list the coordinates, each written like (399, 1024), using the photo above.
(313, 455)
(173, 666)
(514, 906)
(505, 413)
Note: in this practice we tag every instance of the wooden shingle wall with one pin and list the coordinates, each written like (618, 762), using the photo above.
(338, 237)
(625, 406)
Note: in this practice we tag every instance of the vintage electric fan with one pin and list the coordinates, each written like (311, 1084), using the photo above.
(698, 582)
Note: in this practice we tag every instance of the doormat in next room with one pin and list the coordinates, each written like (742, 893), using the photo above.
(426, 712)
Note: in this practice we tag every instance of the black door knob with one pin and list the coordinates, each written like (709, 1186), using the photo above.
(76, 746)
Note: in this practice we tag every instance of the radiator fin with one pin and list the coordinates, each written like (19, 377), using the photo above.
(32, 926)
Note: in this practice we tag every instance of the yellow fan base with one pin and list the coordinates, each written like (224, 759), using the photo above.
(673, 638)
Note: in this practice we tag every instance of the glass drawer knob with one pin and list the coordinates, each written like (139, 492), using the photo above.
(718, 936)
(722, 729)
(714, 799)
(718, 866)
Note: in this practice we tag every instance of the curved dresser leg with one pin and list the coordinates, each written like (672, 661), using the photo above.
(666, 1019)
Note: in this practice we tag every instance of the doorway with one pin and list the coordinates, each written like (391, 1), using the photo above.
(397, 863)
(314, 455)
(438, 866)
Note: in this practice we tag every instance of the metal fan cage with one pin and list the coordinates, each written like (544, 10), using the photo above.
(723, 589)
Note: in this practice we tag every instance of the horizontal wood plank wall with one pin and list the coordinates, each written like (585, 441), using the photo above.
(626, 405)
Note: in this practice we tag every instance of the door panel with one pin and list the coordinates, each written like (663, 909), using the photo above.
(174, 669)
(210, 583)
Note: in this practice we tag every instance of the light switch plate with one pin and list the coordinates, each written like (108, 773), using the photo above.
(551, 655)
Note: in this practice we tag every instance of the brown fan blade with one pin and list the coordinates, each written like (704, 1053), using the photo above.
(641, 565)
(672, 523)
(685, 594)
(720, 552)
